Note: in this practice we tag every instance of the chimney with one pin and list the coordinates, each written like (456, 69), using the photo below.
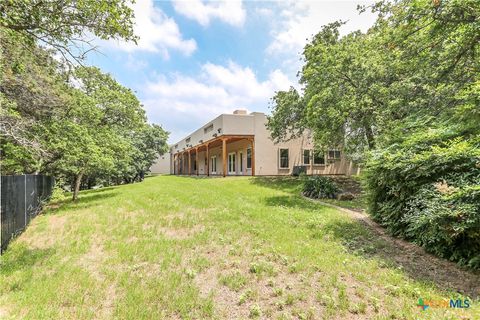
(240, 111)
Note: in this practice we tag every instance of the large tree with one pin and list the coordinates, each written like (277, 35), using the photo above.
(341, 99)
(68, 26)
(416, 67)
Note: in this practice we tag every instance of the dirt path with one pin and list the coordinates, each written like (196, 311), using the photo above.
(418, 263)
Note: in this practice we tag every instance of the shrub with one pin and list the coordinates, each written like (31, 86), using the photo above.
(320, 187)
(427, 189)
(58, 194)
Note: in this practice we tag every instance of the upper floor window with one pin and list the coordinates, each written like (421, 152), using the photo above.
(318, 158)
(187, 140)
(283, 156)
(207, 129)
(306, 156)
(333, 154)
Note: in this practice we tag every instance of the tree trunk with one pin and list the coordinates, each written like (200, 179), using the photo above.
(370, 137)
(78, 180)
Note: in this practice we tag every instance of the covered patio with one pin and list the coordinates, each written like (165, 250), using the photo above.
(235, 152)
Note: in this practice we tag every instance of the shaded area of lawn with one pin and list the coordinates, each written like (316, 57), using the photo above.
(294, 185)
(365, 241)
(182, 247)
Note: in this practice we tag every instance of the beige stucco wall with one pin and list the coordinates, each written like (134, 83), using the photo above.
(266, 151)
(267, 154)
(163, 165)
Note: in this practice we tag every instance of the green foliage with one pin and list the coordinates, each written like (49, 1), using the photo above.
(289, 116)
(79, 125)
(63, 25)
(58, 194)
(403, 98)
(320, 187)
(427, 189)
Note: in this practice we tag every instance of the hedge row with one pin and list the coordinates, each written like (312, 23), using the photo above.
(427, 189)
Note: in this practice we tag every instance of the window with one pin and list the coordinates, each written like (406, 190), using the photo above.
(207, 129)
(214, 164)
(187, 140)
(249, 158)
(283, 158)
(318, 158)
(333, 154)
(195, 165)
(306, 156)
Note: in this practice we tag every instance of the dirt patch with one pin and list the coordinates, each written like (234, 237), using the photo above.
(180, 233)
(107, 307)
(48, 238)
(92, 261)
(4, 313)
(416, 262)
(273, 293)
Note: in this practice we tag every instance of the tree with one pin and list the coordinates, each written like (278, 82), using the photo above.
(32, 87)
(67, 120)
(289, 119)
(149, 144)
(340, 102)
(417, 67)
(64, 25)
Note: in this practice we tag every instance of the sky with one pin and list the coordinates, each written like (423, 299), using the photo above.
(198, 59)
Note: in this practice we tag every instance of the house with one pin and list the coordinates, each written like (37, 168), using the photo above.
(240, 144)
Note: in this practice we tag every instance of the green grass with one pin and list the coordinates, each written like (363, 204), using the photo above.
(178, 247)
(358, 203)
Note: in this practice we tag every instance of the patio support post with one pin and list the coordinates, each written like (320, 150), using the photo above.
(196, 159)
(224, 156)
(208, 161)
(253, 156)
(189, 164)
(183, 162)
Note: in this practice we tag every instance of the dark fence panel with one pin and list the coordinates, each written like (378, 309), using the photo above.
(21, 200)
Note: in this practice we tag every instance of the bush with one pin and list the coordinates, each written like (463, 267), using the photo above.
(427, 189)
(58, 194)
(320, 187)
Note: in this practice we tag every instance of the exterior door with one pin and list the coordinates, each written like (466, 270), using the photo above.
(231, 163)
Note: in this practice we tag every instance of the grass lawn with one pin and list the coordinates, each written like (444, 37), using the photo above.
(179, 247)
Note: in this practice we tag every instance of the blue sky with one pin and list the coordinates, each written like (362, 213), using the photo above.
(197, 59)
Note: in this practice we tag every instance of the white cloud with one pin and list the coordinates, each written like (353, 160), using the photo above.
(184, 103)
(266, 12)
(158, 33)
(298, 21)
(303, 19)
(231, 12)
